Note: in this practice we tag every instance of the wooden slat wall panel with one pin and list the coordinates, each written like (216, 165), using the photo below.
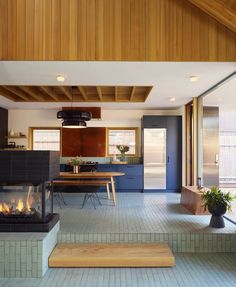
(96, 30)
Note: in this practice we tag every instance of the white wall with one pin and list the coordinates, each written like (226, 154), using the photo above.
(21, 120)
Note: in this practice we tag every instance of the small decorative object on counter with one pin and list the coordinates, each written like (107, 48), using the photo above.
(11, 133)
(115, 159)
(75, 162)
(122, 149)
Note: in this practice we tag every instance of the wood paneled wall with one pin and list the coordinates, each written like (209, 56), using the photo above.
(97, 30)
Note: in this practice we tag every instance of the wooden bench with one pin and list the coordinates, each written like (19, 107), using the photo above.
(84, 183)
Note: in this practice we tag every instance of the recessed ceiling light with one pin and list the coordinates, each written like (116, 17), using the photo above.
(193, 79)
(172, 99)
(60, 78)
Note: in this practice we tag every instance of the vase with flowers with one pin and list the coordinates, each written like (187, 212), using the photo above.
(75, 163)
(122, 149)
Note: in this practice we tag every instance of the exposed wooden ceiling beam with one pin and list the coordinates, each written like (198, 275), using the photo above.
(17, 92)
(99, 91)
(66, 92)
(116, 93)
(147, 92)
(31, 93)
(8, 94)
(58, 94)
(83, 93)
(49, 92)
(132, 93)
(218, 10)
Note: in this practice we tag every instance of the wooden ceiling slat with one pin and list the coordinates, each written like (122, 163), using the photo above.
(7, 94)
(116, 93)
(17, 92)
(31, 93)
(132, 94)
(148, 90)
(76, 94)
(99, 91)
(221, 11)
(83, 93)
(49, 92)
(66, 92)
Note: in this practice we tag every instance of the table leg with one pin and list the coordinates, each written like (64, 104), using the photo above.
(108, 191)
(113, 190)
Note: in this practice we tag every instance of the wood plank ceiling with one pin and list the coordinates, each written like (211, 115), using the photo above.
(113, 30)
(76, 93)
(224, 11)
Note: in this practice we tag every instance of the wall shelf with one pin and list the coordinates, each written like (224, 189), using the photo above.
(15, 137)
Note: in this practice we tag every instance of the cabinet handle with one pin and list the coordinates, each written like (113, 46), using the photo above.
(168, 159)
(130, 178)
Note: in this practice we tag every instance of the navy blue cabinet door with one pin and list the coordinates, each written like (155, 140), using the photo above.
(131, 181)
(174, 153)
(154, 122)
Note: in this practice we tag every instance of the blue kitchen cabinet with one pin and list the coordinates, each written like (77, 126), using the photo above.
(106, 167)
(132, 181)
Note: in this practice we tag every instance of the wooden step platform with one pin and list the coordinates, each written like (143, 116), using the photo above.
(111, 255)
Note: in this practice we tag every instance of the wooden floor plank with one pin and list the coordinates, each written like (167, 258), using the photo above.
(111, 255)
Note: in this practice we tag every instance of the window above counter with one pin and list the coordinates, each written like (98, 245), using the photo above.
(89, 142)
(122, 136)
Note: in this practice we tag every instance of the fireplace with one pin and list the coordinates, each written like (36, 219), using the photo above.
(26, 194)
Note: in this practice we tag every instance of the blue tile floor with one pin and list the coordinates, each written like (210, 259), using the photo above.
(134, 213)
(151, 216)
(191, 270)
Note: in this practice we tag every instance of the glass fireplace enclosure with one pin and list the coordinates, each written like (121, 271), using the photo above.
(26, 203)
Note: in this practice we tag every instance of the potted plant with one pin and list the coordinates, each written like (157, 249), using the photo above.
(217, 203)
(75, 162)
(122, 149)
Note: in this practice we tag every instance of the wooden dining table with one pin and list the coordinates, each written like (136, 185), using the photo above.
(94, 175)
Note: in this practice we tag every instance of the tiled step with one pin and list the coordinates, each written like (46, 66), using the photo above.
(112, 255)
(178, 242)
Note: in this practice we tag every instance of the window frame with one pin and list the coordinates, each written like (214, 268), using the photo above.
(136, 129)
(31, 130)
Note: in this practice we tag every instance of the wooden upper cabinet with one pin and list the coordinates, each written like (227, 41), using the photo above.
(71, 142)
(94, 142)
(89, 142)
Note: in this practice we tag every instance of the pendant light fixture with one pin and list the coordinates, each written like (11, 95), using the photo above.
(74, 118)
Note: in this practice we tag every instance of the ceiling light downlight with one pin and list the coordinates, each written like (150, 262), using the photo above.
(172, 99)
(193, 79)
(61, 78)
(74, 118)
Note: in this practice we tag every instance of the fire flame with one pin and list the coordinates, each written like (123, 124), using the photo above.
(21, 207)
(4, 207)
(29, 199)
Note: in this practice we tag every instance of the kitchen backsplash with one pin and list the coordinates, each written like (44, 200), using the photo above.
(107, 160)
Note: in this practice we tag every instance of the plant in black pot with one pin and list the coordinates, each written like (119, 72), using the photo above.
(217, 203)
